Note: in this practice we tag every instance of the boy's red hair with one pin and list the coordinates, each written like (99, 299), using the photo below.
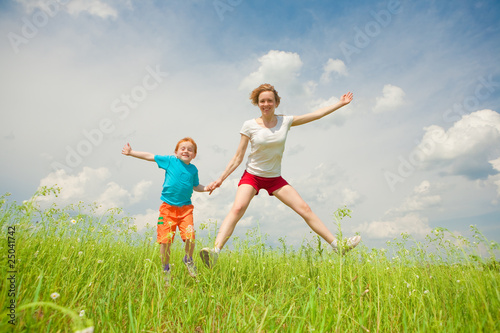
(186, 140)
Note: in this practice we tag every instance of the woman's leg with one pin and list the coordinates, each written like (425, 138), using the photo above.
(290, 197)
(244, 195)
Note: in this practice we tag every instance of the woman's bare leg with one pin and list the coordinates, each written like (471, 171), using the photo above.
(290, 197)
(244, 195)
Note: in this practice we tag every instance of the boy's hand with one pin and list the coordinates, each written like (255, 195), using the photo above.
(126, 149)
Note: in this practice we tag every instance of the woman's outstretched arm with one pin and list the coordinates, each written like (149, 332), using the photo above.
(320, 113)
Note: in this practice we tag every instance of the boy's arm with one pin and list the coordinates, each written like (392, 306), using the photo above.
(127, 150)
(201, 188)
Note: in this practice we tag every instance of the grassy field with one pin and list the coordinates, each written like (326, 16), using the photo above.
(68, 269)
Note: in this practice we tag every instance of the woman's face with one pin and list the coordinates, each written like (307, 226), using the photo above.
(267, 103)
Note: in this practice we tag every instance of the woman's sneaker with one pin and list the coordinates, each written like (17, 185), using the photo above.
(348, 244)
(189, 265)
(209, 257)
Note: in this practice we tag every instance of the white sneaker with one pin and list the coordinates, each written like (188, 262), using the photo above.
(348, 244)
(209, 257)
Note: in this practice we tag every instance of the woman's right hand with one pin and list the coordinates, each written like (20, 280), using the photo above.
(213, 185)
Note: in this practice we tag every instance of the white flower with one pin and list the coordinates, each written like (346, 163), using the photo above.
(54, 295)
(82, 313)
(80, 253)
(100, 261)
(73, 221)
(458, 281)
(426, 292)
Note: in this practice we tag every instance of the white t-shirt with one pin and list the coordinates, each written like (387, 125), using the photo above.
(267, 146)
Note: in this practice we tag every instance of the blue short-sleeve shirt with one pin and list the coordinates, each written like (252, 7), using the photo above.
(180, 178)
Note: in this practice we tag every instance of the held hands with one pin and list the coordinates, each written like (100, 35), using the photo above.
(346, 98)
(213, 185)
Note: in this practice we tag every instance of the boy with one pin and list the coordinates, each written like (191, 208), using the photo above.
(176, 210)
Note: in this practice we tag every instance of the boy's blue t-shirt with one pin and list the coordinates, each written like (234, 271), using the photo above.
(180, 178)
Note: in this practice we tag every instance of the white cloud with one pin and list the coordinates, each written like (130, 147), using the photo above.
(495, 179)
(350, 197)
(91, 185)
(421, 199)
(93, 7)
(406, 217)
(146, 220)
(466, 148)
(392, 98)
(333, 66)
(74, 7)
(411, 223)
(278, 68)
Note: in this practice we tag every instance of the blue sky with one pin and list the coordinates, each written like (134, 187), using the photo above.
(418, 148)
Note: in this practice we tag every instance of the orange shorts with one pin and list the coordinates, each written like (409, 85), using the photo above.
(172, 217)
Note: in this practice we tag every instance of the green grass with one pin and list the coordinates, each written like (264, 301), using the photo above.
(100, 265)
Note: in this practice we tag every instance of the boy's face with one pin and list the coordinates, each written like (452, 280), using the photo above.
(185, 152)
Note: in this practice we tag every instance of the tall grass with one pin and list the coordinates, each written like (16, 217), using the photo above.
(109, 278)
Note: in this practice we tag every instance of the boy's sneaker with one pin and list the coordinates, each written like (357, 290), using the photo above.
(167, 277)
(348, 244)
(209, 257)
(190, 266)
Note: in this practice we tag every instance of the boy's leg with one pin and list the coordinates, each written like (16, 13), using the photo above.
(189, 247)
(186, 229)
(165, 255)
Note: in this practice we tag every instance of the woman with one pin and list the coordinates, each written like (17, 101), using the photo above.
(267, 135)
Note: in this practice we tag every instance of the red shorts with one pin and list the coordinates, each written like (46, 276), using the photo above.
(268, 184)
(172, 217)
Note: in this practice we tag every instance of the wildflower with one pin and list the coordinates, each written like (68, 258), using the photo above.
(82, 313)
(426, 292)
(458, 281)
(80, 253)
(54, 296)
(100, 261)
(73, 221)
